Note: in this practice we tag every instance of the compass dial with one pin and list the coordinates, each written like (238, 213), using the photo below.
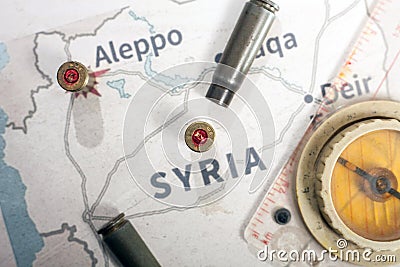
(348, 180)
(358, 176)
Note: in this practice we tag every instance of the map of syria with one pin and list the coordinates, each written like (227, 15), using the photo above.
(63, 171)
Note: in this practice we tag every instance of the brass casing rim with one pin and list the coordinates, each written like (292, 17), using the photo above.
(204, 126)
(82, 80)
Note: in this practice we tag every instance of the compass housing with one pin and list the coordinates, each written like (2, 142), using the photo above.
(316, 165)
(361, 211)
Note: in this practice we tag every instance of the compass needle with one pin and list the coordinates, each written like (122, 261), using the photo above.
(394, 193)
(381, 183)
(356, 169)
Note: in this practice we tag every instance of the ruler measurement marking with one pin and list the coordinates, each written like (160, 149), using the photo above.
(282, 182)
(273, 188)
(268, 237)
(387, 74)
(258, 220)
(264, 210)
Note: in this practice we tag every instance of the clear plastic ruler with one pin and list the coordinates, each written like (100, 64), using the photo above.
(373, 65)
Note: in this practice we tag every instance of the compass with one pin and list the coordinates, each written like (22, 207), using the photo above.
(348, 179)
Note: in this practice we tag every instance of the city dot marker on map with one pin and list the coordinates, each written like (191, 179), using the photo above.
(74, 77)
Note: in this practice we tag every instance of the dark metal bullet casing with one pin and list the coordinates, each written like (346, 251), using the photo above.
(244, 43)
(126, 244)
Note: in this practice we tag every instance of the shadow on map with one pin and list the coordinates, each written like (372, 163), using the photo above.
(88, 121)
